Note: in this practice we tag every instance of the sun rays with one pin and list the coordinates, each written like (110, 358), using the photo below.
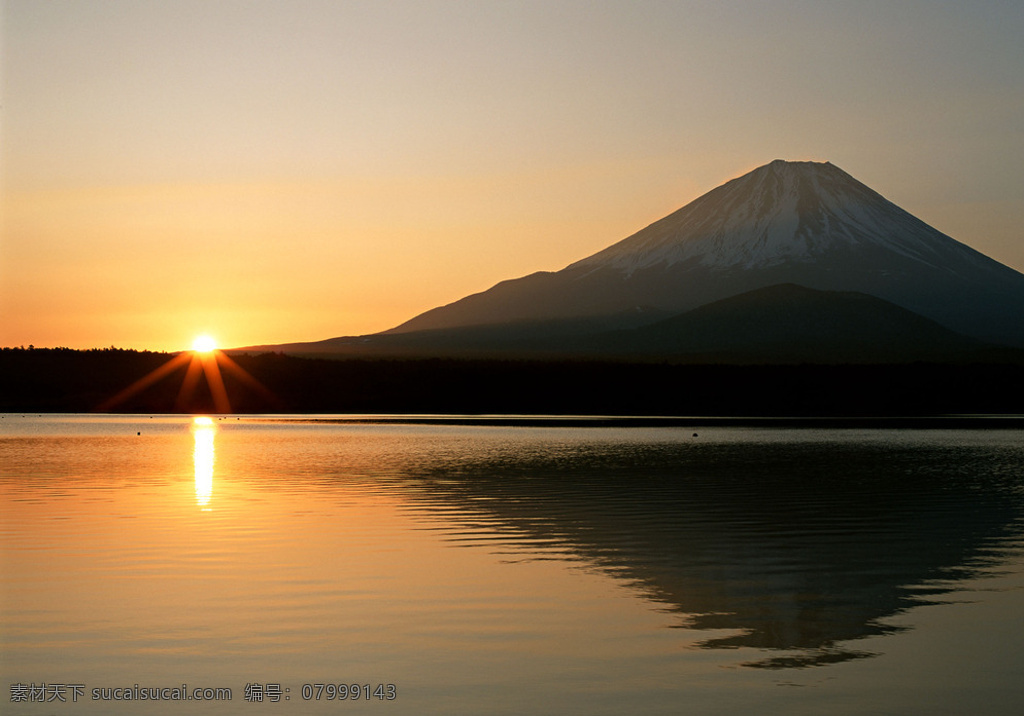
(204, 361)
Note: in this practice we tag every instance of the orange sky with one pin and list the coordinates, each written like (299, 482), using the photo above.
(281, 171)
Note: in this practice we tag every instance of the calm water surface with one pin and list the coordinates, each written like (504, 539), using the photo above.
(512, 570)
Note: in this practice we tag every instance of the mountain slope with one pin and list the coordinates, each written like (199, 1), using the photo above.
(803, 223)
(777, 324)
(790, 323)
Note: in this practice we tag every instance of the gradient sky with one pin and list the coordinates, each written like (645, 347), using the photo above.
(297, 170)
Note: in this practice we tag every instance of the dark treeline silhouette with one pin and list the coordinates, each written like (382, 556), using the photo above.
(65, 380)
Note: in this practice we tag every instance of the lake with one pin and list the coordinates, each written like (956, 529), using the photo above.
(520, 567)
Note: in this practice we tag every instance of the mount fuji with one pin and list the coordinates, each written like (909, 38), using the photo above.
(807, 224)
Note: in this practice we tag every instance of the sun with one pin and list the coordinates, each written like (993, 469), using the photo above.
(204, 344)
(203, 360)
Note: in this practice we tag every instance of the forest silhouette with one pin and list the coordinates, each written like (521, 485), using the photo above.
(66, 380)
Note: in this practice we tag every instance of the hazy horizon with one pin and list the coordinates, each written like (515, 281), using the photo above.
(269, 172)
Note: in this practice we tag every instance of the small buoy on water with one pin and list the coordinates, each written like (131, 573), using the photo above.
(695, 435)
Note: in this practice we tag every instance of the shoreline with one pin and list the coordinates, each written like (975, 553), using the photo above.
(884, 422)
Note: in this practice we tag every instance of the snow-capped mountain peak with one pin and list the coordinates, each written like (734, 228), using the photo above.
(805, 223)
(780, 212)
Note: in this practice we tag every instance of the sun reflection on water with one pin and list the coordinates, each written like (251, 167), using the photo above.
(203, 430)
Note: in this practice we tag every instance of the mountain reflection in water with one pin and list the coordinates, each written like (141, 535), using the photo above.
(801, 548)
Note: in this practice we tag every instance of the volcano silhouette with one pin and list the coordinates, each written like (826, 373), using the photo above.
(806, 224)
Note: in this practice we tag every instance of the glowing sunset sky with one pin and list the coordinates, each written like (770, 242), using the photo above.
(283, 171)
